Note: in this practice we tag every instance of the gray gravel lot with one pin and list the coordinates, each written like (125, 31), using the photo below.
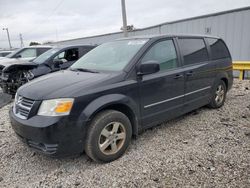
(205, 148)
(4, 98)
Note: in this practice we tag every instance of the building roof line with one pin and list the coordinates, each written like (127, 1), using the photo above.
(165, 23)
(198, 17)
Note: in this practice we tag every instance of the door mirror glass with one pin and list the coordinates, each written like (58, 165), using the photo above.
(149, 67)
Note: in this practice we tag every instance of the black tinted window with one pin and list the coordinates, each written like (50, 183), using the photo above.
(218, 49)
(42, 50)
(164, 53)
(193, 50)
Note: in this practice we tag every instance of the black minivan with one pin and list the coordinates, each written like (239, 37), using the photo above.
(119, 89)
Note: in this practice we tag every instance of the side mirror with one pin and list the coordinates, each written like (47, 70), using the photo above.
(18, 56)
(148, 67)
(58, 62)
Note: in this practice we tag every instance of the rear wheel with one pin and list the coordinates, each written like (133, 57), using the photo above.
(219, 95)
(108, 136)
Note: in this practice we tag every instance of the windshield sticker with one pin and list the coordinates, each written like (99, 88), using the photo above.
(136, 42)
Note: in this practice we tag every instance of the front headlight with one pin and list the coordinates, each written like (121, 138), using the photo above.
(28, 75)
(56, 107)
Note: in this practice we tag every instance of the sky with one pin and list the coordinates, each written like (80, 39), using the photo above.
(54, 20)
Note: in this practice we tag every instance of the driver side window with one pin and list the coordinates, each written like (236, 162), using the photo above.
(68, 55)
(164, 53)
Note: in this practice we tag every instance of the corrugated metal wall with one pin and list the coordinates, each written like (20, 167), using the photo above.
(233, 26)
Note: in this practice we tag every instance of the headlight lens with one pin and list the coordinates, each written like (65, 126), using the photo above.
(29, 75)
(56, 107)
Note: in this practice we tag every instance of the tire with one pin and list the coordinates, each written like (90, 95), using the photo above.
(108, 128)
(218, 95)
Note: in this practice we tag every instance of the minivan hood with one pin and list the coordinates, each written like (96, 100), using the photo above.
(62, 84)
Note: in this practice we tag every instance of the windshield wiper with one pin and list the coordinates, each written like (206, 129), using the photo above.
(83, 70)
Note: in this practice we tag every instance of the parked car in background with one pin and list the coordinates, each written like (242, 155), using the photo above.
(23, 54)
(119, 89)
(15, 75)
(28, 53)
(5, 53)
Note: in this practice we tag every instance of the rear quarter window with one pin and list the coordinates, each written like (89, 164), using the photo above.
(84, 50)
(218, 49)
(193, 50)
(42, 50)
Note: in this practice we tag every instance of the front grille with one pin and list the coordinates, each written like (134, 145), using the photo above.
(22, 107)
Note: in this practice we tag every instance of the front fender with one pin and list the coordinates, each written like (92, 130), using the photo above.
(105, 101)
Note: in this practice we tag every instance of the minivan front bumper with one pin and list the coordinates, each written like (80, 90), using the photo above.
(54, 136)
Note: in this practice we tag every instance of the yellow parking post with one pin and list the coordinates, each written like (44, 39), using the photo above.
(242, 66)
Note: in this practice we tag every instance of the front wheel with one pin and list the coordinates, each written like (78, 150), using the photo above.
(219, 95)
(108, 136)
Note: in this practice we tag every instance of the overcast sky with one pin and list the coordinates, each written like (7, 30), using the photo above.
(52, 20)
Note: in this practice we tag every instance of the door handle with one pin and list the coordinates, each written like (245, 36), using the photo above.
(177, 76)
(190, 73)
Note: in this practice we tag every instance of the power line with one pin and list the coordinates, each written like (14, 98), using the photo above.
(55, 9)
(51, 14)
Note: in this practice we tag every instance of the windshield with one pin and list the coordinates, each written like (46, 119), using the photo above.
(112, 56)
(43, 57)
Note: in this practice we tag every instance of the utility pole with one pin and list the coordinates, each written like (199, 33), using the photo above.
(21, 40)
(8, 36)
(124, 18)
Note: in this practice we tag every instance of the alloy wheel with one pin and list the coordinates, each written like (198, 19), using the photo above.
(219, 94)
(112, 138)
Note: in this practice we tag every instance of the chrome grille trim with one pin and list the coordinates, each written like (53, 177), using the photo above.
(22, 107)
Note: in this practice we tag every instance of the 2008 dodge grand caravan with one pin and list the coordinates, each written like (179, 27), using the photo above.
(119, 89)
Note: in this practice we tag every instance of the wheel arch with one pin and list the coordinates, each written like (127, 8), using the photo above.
(117, 102)
(224, 77)
(225, 80)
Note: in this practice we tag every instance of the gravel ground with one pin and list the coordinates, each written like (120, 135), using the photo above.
(4, 98)
(205, 148)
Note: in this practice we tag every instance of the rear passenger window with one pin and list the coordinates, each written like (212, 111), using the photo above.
(193, 50)
(163, 52)
(218, 49)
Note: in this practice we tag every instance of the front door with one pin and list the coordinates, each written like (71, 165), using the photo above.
(162, 93)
